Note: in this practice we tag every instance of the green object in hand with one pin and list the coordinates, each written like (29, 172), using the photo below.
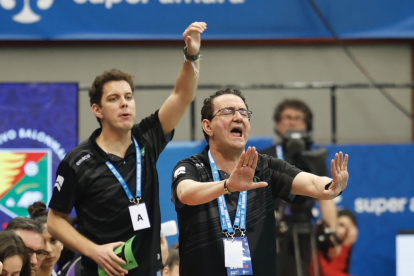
(125, 253)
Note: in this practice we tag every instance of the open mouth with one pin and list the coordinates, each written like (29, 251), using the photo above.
(237, 131)
(125, 115)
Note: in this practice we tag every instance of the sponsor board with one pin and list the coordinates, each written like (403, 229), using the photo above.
(227, 19)
(38, 127)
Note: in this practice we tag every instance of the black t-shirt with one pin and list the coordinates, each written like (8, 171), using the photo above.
(200, 241)
(85, 182)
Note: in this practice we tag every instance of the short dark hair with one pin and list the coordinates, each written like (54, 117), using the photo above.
(208, 107)
(173, 257)
(23, 223)
(348, 213)
(294, 104)
(96, 91)
(12, 245)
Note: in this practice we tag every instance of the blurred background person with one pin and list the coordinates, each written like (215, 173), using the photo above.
(293, 122)
(38, 212)
(31, 232)
(172, 265)
(335, 245)
(14, 256)
(164, 249)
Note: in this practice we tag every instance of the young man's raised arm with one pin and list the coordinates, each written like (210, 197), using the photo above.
(186, 84)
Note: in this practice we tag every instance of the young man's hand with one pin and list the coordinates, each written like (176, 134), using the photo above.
(105, 257)
(192, 37)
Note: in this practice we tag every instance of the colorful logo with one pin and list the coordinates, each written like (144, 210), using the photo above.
(25, 177)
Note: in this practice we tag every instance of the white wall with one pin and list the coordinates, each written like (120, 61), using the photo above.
(364, 115)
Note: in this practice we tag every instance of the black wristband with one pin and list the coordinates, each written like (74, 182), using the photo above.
(227, 190)
(190, 57)
(329, 185)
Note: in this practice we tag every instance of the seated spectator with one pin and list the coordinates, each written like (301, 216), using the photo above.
(172, 264)
(14, 256)
(335, 248)
(38, 212)
(31, 232)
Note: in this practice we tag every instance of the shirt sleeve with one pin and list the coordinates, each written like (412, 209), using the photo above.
(182, 171)
(64, 193)
(151, 130)
(281, 178)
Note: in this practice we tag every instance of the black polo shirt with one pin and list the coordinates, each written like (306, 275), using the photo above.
(201, 246)
(85, 182)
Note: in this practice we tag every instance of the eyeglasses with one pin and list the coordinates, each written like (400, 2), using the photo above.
(40, 254)
(228, 111)
(293, 118)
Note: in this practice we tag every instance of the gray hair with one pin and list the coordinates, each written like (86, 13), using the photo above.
(24, 223)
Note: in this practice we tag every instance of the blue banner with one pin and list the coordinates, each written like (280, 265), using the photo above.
(381, 194)
(226, 19)
(38, 126)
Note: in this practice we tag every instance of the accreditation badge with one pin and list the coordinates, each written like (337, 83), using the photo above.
(139, 216)
(237, 257)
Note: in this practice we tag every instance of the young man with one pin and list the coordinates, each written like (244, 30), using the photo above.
(294, 116)
(111, 178)
(225, 168)
(31, 232)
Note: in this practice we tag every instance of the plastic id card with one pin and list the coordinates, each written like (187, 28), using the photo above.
(244, 266)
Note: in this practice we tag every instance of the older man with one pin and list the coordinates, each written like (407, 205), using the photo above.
(245, 185)
(31, 232)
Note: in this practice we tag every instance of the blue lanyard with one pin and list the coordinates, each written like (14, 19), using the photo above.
(279, 152)
(225, 221)
(121, 180)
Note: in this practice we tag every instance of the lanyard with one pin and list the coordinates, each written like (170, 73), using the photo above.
(225, 221)
(121, 180)
(279, 152)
